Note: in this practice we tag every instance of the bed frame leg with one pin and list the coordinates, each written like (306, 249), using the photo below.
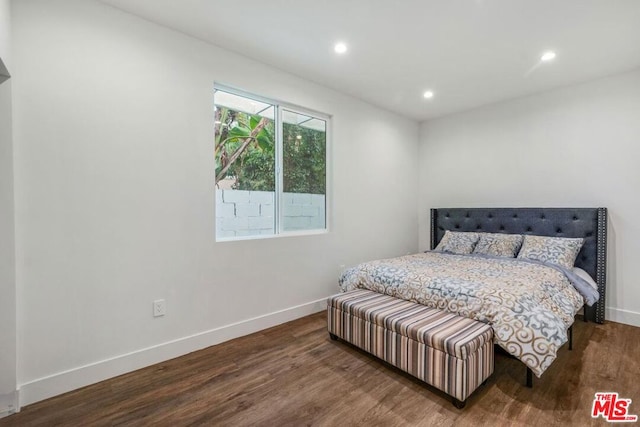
(529, 378)
(459, 403)
(571, 337)
(333, 337)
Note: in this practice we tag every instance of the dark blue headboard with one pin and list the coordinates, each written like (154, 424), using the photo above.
(588, 223)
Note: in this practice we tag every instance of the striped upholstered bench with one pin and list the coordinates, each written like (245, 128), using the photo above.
(452, 353)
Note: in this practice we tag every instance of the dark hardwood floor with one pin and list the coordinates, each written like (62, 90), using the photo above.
(294, 375)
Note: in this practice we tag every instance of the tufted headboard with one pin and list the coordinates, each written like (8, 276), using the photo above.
(588, 223)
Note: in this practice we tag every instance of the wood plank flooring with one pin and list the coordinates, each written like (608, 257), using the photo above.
(294, 375)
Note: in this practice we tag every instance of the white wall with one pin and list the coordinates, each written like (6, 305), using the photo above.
(577, 146)
(7, 255)
(5, 31)
(115, 200)
(7, 248)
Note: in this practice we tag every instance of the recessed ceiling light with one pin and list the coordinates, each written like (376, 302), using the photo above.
(428, 94)
(340, 48)
(548, 56)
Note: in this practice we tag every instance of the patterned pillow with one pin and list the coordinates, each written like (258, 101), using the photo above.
(457, 242)
(499, 244)
(557, 250)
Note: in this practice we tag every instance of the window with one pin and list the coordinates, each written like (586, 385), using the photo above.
(271, 167)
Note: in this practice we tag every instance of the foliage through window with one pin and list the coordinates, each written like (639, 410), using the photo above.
(270, 167)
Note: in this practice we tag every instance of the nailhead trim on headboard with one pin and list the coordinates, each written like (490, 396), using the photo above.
(434, 213)
(601, 265)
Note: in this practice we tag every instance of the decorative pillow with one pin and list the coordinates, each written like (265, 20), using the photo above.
(457, 242)
(557, 250)
(499, 244)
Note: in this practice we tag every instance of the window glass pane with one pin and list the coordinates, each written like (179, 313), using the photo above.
(316, 124)
(304, 141)
(243, 104)
(245, 166)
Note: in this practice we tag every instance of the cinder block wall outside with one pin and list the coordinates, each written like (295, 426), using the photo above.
(249, 213)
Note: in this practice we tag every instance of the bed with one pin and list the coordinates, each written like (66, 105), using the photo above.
(538, 323)
(588, 223)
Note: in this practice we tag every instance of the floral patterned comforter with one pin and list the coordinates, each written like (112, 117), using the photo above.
(529, 305)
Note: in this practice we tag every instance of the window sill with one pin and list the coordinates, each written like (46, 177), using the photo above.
(300, 233)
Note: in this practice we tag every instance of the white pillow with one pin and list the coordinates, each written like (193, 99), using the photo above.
(586, 277)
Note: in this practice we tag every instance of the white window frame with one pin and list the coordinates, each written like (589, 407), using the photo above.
(279, 178)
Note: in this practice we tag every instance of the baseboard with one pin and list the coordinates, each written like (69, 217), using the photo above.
(62, 382)
(8, 404)
(623, 316)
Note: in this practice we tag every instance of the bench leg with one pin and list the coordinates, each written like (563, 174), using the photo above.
(459, 403)
(571, 337)
(333, 337)
(529, 378)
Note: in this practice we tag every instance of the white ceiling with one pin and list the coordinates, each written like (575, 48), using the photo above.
(469, 52)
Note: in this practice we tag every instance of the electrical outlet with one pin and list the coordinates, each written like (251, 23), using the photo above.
(159, 308)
